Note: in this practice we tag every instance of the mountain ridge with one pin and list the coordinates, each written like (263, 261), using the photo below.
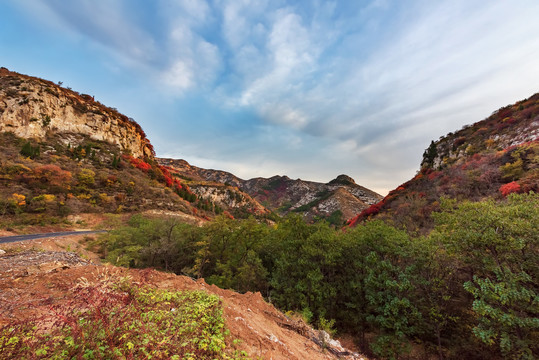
(283, 195)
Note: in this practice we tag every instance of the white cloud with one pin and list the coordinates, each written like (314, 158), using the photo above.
(193, 61)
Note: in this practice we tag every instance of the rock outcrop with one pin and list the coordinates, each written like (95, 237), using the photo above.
(32, 108)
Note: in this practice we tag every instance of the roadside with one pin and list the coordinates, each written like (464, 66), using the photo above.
(70, 243)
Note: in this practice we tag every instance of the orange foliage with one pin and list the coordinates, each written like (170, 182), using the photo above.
(52, 174)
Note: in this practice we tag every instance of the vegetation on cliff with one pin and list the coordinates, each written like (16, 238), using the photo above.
(489, 159)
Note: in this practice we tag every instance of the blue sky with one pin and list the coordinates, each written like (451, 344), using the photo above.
(308, 89)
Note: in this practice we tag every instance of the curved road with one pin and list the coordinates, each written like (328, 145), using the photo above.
(9, 239)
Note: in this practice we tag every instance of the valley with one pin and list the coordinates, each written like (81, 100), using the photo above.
(444, 266)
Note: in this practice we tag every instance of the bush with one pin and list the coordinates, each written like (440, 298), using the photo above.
(30, 151)
(512, 187)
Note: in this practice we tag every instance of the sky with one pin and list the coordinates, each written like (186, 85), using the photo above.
(307, 89)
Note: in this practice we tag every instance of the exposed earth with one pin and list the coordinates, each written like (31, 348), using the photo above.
(37, 274)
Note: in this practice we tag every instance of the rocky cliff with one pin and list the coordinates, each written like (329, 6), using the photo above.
(31, 108)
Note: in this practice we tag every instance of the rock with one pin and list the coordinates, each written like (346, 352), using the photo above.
(43, 106)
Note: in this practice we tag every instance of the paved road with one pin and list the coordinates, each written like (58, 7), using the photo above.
(8, 239)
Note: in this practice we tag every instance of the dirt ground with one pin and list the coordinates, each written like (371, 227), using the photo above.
(31, 279)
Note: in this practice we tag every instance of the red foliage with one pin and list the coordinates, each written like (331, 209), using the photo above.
(370, 211)
(434, 175)
(177, 184)
(504, 112)
(166, 174)
(512, 187)
(138, 163)
(459, 141)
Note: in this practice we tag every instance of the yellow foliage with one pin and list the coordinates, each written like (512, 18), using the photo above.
(489, 143)
(48, 198)
(18, 199)
(105, 199)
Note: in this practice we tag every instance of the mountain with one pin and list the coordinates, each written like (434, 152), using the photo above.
(488, 159)
(65, 153)
(339, 199)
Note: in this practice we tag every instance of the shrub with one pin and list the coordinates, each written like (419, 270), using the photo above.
(30, 151)
(46, 120)
(52, 174)
(86, 177)
(512, 187)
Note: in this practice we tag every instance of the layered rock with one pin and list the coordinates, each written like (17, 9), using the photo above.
(32, 108)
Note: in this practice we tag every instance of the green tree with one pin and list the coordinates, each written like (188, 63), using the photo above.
(429, 155)
(380, 284)
(232, 254)
(497, 245)
(304, 267)
(30, 151)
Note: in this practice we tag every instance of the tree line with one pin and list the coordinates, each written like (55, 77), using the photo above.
(469, 289)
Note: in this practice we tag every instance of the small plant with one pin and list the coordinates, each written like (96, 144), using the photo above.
(46, 120)
(30, 151)
(116, 319)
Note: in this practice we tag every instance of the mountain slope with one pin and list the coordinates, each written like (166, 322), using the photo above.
(339, 199)
(65, 153)
(488, 159)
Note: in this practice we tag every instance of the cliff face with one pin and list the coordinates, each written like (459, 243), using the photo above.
(228, 197)
(32, 108)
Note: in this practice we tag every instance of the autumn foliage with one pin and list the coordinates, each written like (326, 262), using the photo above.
(138, 163)
(512, 187)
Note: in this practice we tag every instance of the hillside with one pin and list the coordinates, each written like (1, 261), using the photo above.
(64, 282)
(65, 153)
(488, 159)
(335, 201)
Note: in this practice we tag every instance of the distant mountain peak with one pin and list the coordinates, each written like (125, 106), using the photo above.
(340, 198)
(342, 180)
